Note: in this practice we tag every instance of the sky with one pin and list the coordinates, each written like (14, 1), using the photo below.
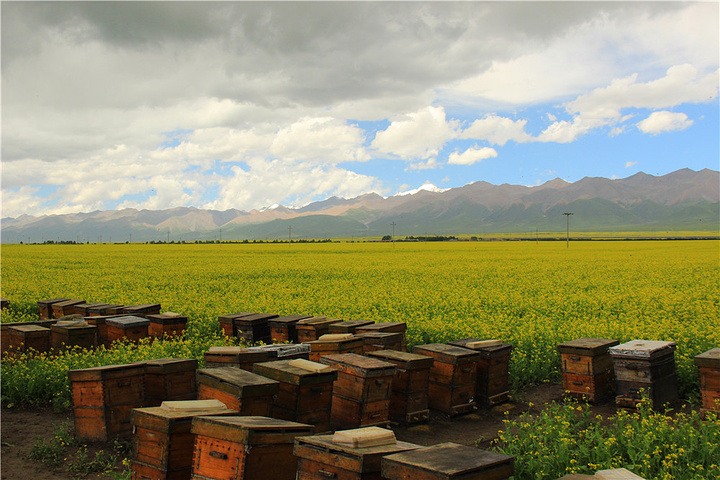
(220, 105)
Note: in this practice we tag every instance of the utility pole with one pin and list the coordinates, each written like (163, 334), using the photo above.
(567, 232)
(289, 233)
(393, 234)
(221, 235)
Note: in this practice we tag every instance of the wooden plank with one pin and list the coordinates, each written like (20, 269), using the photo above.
(587, 346)
(358, 365)
(282, 371)
(237, 382)
(447, 353)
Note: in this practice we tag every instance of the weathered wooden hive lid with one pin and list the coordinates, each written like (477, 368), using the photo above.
(51, 301)
(348, 326)
(360, 460)
(255, 318)
(171, 414)
(237, 381)
(127, 321)
(447, 353)
(232, 316)
(104, 307)
(380, 337)
(30, 329)
(250, 430)
(617, 474)
(364, 437)
(309, 366)
(103, 371)
(143, 308)
(384, 326)
(281, 350)
(294, 373)
(487, 348)
(338, 338)
(167, 318)
(643, 349)
(317, 321)
(170, 365)
(409, 361)
(449, 459)
(358, 365)
(228, 350)
(67, 321)
(67, 303)
(587, 346)
(208, 405)
(287, 319)
(710, 359)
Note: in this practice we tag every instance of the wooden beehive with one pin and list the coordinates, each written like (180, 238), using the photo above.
(361, 393)
(26, 338)
(141, 310)
(283, 329)
(708, 364)
(5, 331)
(587, 368)
(84, 308)
(45, 307)
(644, 368)
(128, 327)
(453, 376)
(328, 344)
(163, 441)
(409, 399)
(305, 395)
(239, 357)
(246, 392)
(106, 310)
(169, 379)
(245, 448)
(448, 461)
(99, 321)
(227, 323)
(253, 328)
(166, 324)
(320, 458)
(309, 329)
(103, 398)
(80, 335)
(348, 326)
(492, 368)
(284, 351)
(66, 307)
(392, 327)
(374, 341)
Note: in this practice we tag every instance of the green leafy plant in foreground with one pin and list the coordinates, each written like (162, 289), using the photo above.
(567, 438)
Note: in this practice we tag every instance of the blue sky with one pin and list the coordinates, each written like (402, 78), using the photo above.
(218, 105)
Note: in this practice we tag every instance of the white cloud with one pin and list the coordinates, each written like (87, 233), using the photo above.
(472, 156)
(497, 130)
(664, 121)
(429, 164)
(418, 135)
(326, 140)
(630, 164)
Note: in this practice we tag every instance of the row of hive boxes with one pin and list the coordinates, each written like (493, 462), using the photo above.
(88, 332)
(60, 307)
(252, 328)
(215, 443)
(596, 369)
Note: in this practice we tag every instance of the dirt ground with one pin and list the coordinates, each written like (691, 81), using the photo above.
(20, 429)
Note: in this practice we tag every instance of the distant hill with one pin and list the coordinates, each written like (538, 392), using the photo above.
(681, 200)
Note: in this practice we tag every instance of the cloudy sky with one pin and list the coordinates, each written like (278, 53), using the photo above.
(109, 105)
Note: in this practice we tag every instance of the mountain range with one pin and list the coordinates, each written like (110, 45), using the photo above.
(682, 200)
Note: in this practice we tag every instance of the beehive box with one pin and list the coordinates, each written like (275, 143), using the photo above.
(5, 331)
(227, 323)
(84, 308)
(254, 328)
(99, 321)
(141, 310)
(448, 461)
(409, 399)
(238, 357)
(348, 326)
(305, 394)
(245, 448)
(374, 341)
(103, 398)
(392, 327)
(644, 367)
(587, 368)
(492, 368)
(45, 307)
(320, 458)
(128, 327)
(81, 335)
(330, 344)
(26, 338)
(246, 392)
(283, 329)
(284, 351)
(169, 379)
(166, 324)
(163, 442)
(309, 329)
(361, 393)
(66, 307)
(708, 364)
(106, 310)
(453, 376)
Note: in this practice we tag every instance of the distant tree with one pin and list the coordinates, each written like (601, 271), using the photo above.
(386, 238)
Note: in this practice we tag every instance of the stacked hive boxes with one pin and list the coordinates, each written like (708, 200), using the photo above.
(386, 327)
(361, 393)
(644, 368)
(492, 369)
(171, 379)
(246, 392)
(284, 329)
(453, 376)
(46, 309)
(587, 368)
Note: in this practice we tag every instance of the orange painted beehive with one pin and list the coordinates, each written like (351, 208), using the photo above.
(26, 338)
(493, 365)
(305, 393)
(45, 307)
(409, 400)
(309, 329)
(169, 379)
(66, 307)
(361, 393)
(330, 344)
(374, 341)
(284, 329)
(128, 327)
(79, 334)
(708, 364)
(392, 327)
(163, 442)
(168, 324)
(587, 368)
(103, 398)
(246, 392)
(245, 448)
